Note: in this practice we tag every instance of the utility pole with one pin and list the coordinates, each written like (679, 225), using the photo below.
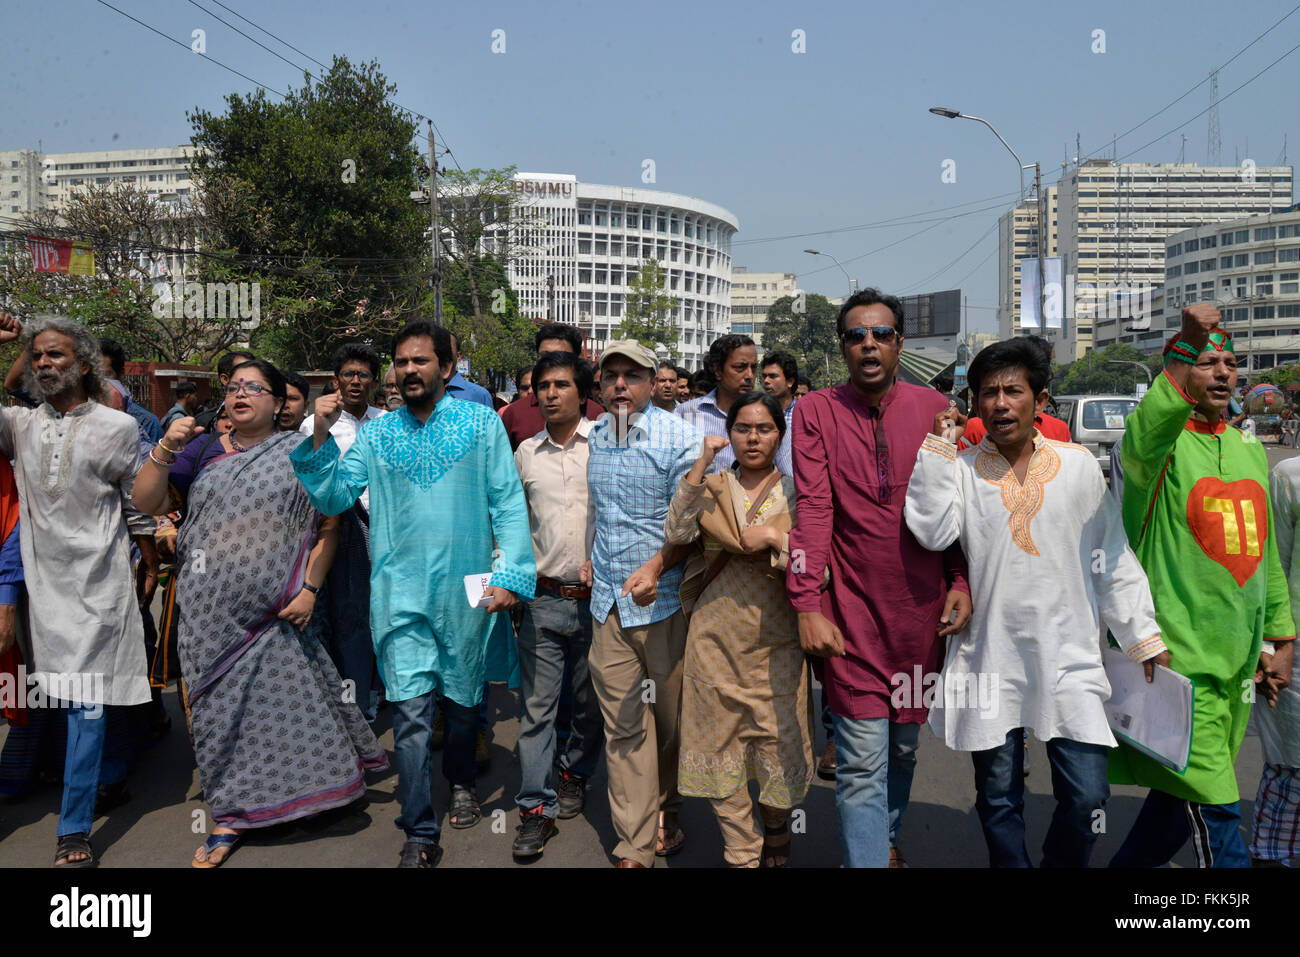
(550, 298)
(436, 232)
(1039, 246)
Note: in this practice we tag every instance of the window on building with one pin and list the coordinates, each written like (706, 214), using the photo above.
(1264, 312)
(1241, 236)
(1191, 245)
(1265, 232)
(1289, 282)
(1289, 255)
(1174, 250)
(1225, 239)
(1241, 260)
(1191, 268)
(1264, 284)
(584, 247)
(584, 218)
(1289, 311)
(1225, 262)
(602, 218)
(1209, 242)
(1265, 258)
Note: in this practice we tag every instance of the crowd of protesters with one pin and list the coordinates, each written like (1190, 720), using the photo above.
(660, 562)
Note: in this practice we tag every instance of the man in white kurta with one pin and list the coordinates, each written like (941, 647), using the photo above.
(1049, 563)
(74, 470)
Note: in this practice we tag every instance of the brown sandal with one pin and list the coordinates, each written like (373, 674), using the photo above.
(667, 845)
(776, 853)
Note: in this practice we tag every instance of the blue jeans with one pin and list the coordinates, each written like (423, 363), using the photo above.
(413, 750)
(554, 639)
(1165, 823)
(87, 764)
(872, 785)
(1078, 783)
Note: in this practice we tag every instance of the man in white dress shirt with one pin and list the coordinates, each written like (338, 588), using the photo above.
(356, 374)
(1049, 563)
(555, 636)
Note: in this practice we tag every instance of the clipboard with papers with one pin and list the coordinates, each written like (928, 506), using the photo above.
(1155, 718)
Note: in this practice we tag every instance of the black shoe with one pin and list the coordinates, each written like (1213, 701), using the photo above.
(572, 794)
(534, 830)
(420, 855)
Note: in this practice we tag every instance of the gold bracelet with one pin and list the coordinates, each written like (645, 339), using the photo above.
(163, 445)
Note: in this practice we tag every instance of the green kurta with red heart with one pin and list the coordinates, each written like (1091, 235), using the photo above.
(1210, 555)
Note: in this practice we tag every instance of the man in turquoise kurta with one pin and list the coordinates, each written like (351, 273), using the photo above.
(1196, 509)
(445, 502)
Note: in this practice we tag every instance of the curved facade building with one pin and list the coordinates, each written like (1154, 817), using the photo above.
(584, 243)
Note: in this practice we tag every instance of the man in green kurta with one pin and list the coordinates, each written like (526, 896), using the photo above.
(1196, 509)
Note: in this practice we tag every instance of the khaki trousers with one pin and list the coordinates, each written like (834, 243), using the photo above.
(637, 673)
(742, 834)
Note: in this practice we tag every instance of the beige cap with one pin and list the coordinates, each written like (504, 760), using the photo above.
(630, 349)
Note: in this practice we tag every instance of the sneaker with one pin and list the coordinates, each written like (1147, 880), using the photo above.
(481, 753)
(534, 830)
(572, 794)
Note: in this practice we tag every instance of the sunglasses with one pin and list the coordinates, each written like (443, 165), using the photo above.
(858, 334)
(355, 374)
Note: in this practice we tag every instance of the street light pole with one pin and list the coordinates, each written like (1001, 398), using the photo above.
(836, 262)
(1021, 166)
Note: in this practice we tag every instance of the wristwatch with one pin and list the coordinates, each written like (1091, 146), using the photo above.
(311, 588)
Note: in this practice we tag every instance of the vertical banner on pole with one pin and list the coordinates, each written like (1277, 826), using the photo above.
(1053, 293)
(1029, 291)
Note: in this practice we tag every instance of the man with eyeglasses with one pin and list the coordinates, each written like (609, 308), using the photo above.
(890, 602)
(356, 371)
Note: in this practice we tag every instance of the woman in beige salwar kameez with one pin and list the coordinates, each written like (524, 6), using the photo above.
(745, 685)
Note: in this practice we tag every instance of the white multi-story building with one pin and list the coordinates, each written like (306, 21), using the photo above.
(1115, 223)
(1018, 238)
(583, 244)
(1248, 267)
(36, 181)
(753, 294)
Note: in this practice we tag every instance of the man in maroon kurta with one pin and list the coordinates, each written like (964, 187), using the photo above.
(523, 418)
(880, 624)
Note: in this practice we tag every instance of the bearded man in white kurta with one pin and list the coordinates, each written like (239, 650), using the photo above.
(1049, 563)
(75, 461)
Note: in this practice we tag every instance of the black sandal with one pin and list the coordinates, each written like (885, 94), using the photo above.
(774, 851)
(70, 844)
(465, 811)
(415, 854)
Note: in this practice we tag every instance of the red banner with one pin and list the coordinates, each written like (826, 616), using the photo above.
(61, 255)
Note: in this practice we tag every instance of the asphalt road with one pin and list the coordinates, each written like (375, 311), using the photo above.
(163, 823)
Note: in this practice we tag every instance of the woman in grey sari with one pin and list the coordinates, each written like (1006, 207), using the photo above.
(276, 735)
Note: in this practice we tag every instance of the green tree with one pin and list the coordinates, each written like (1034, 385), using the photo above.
(1095, 374)
(498, 340)
(126, 229)
(311, 197)
(648, 316)
(804, 326)
(483, 223)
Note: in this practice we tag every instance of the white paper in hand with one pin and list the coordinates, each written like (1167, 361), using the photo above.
(475, 585)
(1155, 718)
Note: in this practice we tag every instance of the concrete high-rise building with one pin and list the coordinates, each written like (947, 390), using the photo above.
(752, 295)
(1115, 223)
(40, 181)
(1250, 269)
(1018, 238)
(582, 245)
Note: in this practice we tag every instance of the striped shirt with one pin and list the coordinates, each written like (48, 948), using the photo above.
(632, 482)
(703, 413)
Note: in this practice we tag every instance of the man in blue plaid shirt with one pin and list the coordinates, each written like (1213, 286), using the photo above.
(639, 454)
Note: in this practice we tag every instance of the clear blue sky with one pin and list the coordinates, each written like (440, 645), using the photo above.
(791, 143)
